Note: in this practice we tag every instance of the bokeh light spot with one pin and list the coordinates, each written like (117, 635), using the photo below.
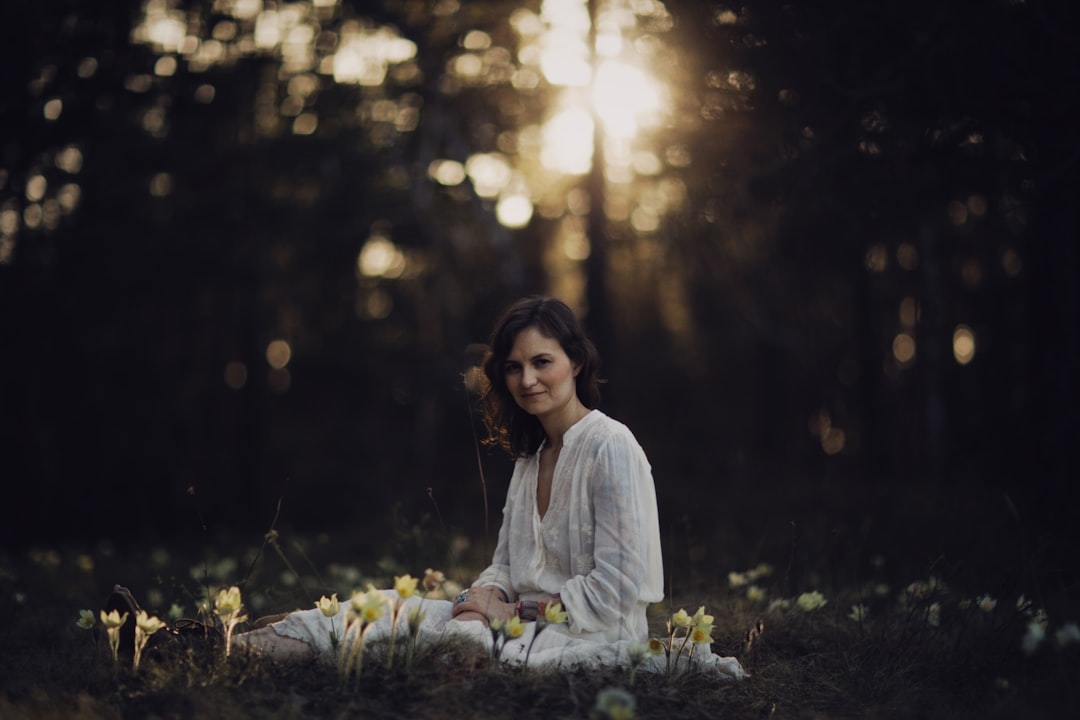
(161, 185)
(514, 211)
(36, 187)
(381, 258)
(907, 256)
(903, 349)
(235, 375)
(446, 172)
(278, 353)
(165, 66)
(957, 212)
(568, 142)
(305, 124)
(53, 108)
(963, 344)
(833, 441)
(877, 258)
(1011, 263)
(489, 172)
(70, 159)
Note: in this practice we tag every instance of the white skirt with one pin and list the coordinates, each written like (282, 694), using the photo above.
(555, 646)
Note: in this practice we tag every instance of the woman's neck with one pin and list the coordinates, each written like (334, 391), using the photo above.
(555, 427)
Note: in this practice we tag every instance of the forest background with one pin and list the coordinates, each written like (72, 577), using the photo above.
(832, 275)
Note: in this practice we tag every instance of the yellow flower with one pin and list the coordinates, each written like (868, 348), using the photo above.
(372, 606)
(433, 579)
(555, 614)
(700, 618)
(701, 634)
(808, 602)
(496, 625)
(755, 594)
(227, 602)
(657, 646)
(356, 604)
(113, 621)
(86, 619)
(329, 606)
(405, 586)
(513, 628)
(681, 619)
(736, 579)
(146, 624)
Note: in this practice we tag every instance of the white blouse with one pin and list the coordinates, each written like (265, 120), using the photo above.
(598, 544)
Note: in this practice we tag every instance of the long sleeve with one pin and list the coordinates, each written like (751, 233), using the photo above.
(498, 572)
(626, 568)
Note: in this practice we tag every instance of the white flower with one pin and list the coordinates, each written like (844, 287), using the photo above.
(779, 604)
(933, 615)
(858, 613)
(1067, 634)
(808, 602)
(762, 570)
(1032, 638)
(986, 603)
(1022, 603)
(86, 619)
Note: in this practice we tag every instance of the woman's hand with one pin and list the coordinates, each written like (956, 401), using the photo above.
(483, 603)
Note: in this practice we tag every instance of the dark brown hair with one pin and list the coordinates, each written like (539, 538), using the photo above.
(508, 426)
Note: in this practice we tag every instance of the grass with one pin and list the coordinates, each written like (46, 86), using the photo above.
(925, 648)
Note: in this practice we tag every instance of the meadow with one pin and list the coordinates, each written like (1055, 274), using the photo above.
(831, 620)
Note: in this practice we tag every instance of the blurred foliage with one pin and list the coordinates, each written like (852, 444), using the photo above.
(860, 180)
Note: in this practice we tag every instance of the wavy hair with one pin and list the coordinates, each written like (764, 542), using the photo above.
(508, 426)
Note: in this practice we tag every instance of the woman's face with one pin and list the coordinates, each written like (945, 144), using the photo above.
(540, 375)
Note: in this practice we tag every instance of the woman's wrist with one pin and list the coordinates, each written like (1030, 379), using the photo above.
(502, 593)
(530, 610)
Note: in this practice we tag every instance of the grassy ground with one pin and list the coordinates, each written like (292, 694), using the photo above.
(943, 642)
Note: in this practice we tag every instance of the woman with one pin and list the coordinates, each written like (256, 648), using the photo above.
(580, 524)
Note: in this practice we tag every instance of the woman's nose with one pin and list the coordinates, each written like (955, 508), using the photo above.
(528, 377)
